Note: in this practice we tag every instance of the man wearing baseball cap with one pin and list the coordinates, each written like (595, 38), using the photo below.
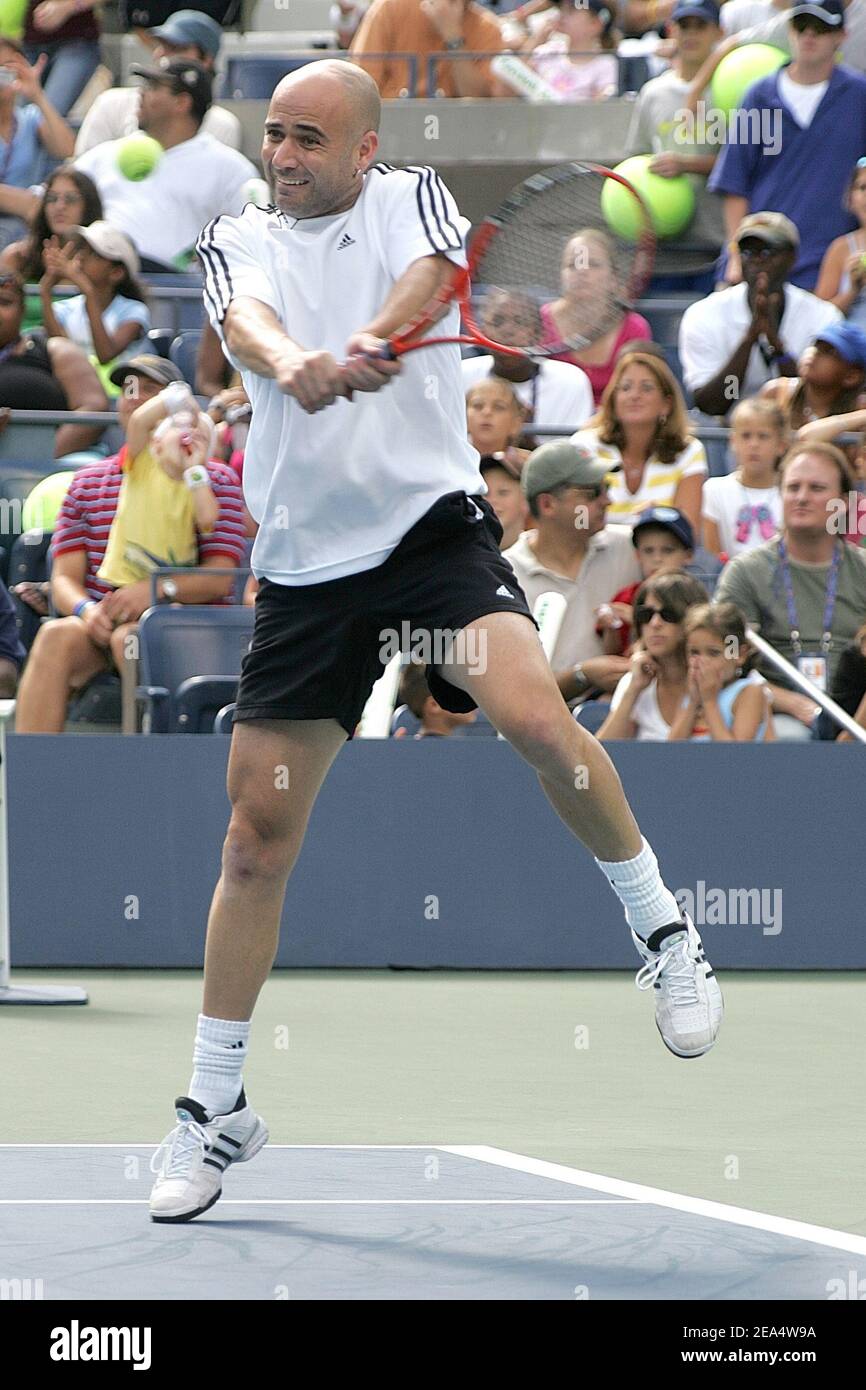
(734, 341)
(802, 131)
(70, 650)
(657, 125)
(195, 179)
(185, 34)
(571, 551)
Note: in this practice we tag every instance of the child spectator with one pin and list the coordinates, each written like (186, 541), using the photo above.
(505, 495)
(744, 509)
(574, 53)
(842, 277)
(495, 419)
(832, 377)
(166, 500)
(725, 701)
(648, 698)
(108, 317)
(664, 540)
(414, 693)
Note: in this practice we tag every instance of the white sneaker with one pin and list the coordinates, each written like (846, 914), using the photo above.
(689, 1004)
(190, 1161)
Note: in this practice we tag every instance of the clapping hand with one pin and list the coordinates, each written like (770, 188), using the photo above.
(61, 266)
(644, 670)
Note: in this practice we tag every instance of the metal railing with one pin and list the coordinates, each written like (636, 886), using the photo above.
(803, 683)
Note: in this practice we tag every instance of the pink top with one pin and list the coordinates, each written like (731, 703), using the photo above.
(574, 81)
(599, 373)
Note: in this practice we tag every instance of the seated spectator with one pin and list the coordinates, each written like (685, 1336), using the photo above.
(764, 22)
(642, 433)
(557, 395)
(574, 51)
(734, 341)
(12, 652)
(29, 126)
(664, 540)
(842, 277)
(67, 33)
(505, 496)
(832, 376)
(590, 307)
(805, 590)
(195, 179)
(70, 199)
(423, 27)
(109, 317)
(796, 156)
(88, 638)
(648, 697)
(185, 34)
(495, 420)
(744, 509)
(657, 125)
(414, 693)
(42, 373)
(573, 552)
(726, 701)
(848, 690)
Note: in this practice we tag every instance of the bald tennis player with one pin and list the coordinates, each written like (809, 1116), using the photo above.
(371, 513)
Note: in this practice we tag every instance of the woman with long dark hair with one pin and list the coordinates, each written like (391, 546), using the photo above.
(71, 199)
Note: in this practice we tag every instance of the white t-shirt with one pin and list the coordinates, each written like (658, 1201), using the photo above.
(652, 727)
(115, 114)
(192, 183)
(724, 499)
(802, 100)
(712, 328)
(560, 396)
(658, 485)
(335, 492)
(742, 14)
(72, 315)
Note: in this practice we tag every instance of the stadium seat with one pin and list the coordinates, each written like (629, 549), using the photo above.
(15, 488)
(190, 659)
(28, 561)
(160, 341)
(184, 351)
(30, 445)
(298, 14)
(254, 78)
(223, 722)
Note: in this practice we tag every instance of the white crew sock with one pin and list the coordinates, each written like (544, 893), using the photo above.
(649, 906)
(218, 1061)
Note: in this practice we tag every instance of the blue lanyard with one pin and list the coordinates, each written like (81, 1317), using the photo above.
(829, 599)
(7, 157)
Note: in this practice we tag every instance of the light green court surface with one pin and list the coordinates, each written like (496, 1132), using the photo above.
(482, 1058)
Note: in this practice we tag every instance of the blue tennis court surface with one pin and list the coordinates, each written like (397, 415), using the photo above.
(376, 1222)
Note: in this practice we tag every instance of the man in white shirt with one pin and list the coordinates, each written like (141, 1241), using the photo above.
(735, 340)
(372, 521)
(186, 34)
(557, 395)
(195, 179)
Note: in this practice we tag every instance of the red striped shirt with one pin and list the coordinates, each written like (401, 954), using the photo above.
(85, 518)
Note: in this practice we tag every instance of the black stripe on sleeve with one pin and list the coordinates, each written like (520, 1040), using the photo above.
(214, 261)
(439, 187)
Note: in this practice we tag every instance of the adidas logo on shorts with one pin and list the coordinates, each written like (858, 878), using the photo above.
(502, 592)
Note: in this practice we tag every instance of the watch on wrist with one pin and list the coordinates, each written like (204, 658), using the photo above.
(169, 591)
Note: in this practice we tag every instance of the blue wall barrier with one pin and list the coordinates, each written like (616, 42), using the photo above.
(435, 853)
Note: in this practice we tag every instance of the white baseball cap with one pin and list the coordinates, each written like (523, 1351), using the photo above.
(110, 242)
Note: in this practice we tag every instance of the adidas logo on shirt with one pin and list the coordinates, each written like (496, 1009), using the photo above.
(345, 240)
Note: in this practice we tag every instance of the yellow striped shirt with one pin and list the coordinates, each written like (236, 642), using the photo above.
(658, 485)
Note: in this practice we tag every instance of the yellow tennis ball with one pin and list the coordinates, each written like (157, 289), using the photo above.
(44, 502)
(138, 156)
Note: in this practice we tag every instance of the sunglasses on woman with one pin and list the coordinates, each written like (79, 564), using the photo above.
(644, 614)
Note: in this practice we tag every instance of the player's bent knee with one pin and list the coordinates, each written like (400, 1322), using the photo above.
(256, 849)
(538, 734)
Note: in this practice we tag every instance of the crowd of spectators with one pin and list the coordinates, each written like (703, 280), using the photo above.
(663, 567)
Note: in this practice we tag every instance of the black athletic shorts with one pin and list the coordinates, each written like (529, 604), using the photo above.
(317, 649)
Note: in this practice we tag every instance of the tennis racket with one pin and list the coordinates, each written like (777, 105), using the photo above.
(527, 256)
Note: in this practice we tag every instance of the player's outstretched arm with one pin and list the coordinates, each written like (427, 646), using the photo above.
(411, 294)
(256, 338)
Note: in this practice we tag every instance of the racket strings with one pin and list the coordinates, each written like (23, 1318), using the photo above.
(536, 260)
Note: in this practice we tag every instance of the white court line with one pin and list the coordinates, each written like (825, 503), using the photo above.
(657, 1196)
(335, 1202)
